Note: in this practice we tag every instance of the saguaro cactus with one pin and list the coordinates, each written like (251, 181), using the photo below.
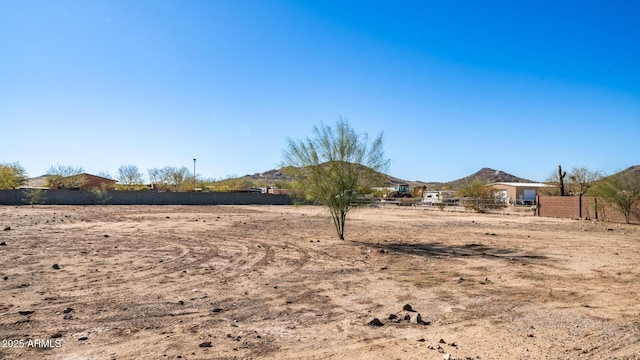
(561, 176)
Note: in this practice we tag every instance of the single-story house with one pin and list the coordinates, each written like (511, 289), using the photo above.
(84, 182)
(518, 193)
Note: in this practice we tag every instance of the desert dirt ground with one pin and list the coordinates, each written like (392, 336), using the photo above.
(223, 282)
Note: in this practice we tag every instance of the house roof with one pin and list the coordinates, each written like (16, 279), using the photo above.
(94, 176)
(516, 184)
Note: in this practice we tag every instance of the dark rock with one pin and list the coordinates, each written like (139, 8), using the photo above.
(393, 317)
(376, 322)
(441, 341)
(7, 228)
(206, 344)
(5, 278)
(68, 317)
(56, 335)
(83, 338)
(421, 340)
(407, 307)
(56, 267)
(217, 310)
(3, 243)
(26, 312)
(67, 310)
(417, 319)
(105, 235)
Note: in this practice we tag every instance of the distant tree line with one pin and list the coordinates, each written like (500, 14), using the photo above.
(322, 172)
(130, 178)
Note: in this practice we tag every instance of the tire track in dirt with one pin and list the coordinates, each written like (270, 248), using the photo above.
(276, 283)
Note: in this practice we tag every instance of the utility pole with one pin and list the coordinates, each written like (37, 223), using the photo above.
(194, 175)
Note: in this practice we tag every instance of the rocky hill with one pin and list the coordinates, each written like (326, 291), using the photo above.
(632, 172)
(488, 175)
(485, 175)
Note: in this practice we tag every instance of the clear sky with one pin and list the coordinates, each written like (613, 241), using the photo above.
(454, 85)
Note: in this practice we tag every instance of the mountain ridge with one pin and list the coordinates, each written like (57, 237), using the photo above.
(487, 175)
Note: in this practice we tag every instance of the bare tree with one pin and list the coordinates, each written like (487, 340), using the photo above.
(105, 174)
(66, 176)
(169, 178)
(178, 178)
(65, 170)
(335, 166)
(157, 179)
(582, 178)
(129, 176)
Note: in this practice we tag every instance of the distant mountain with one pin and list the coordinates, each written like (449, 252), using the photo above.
(268, 177)
(632, 172)
(485, 175)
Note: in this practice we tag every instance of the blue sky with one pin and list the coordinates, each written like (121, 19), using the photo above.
(454, 85)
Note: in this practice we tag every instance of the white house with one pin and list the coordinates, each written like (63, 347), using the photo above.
(518, 193)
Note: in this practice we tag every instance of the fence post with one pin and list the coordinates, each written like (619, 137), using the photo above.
(580, 207)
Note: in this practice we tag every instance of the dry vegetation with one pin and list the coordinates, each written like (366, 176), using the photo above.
(194, 282)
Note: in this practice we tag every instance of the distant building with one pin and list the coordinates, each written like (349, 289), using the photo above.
(84, 182)
(518, 193)
(439, 197)
(39, 182)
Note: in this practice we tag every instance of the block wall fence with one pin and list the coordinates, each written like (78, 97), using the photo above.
(70, 197)
(582, 207)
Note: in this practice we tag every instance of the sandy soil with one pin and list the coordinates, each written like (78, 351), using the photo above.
(191, 282)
